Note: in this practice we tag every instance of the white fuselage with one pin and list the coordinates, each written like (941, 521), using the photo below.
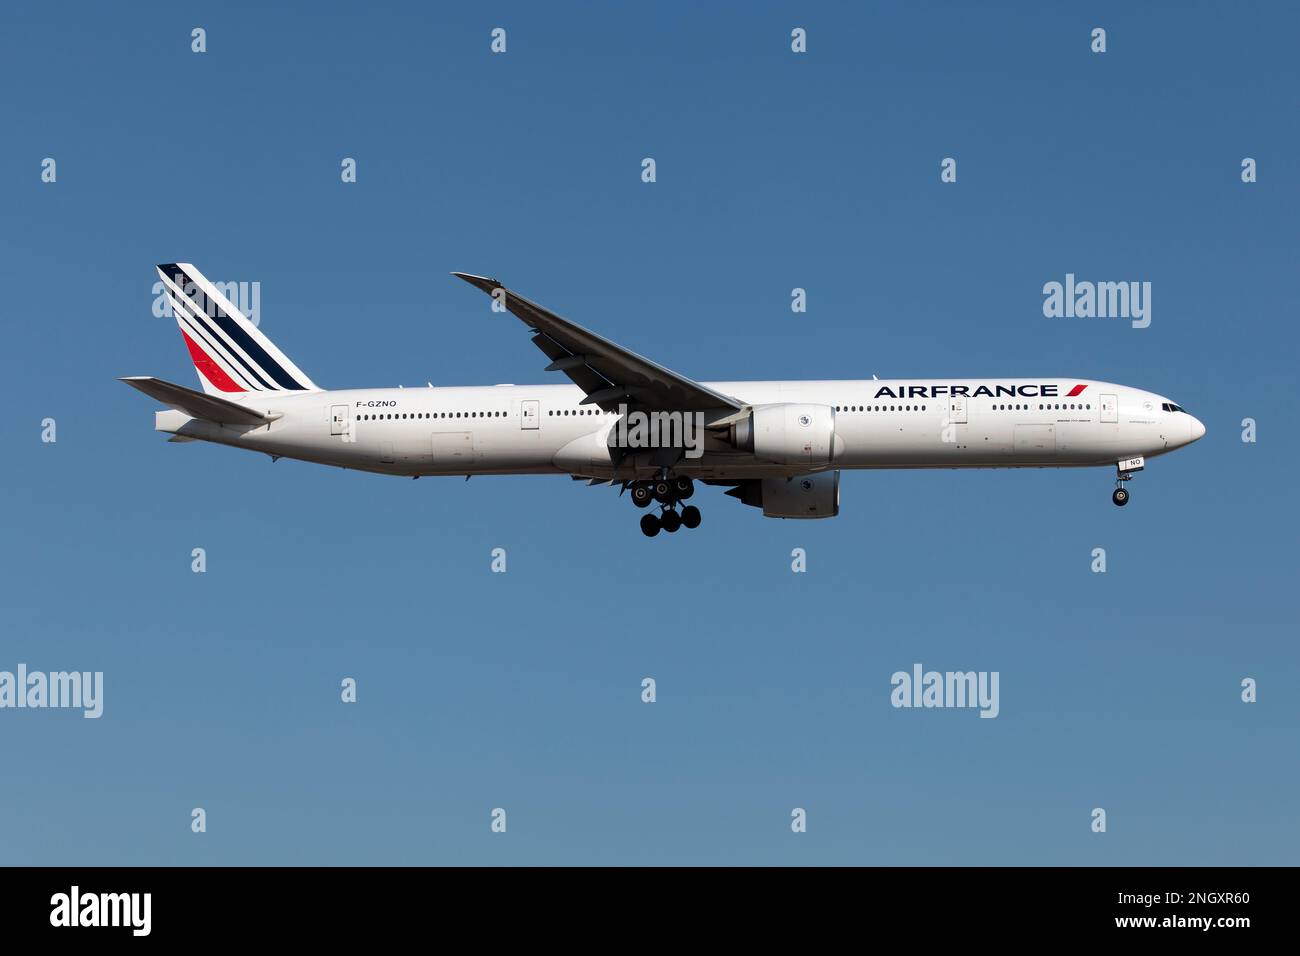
(538, 429)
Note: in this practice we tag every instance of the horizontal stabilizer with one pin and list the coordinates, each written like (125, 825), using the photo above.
(208, 407)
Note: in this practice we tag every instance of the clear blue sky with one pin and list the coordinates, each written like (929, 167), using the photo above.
(1118, 690)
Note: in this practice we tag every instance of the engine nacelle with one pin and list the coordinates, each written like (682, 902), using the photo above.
(789, 434)
(806, 496)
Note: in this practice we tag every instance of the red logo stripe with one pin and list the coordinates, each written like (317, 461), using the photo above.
(210, 369)
(1078, 389)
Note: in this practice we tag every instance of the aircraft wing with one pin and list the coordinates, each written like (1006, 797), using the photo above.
(609, 374)
(207, 407)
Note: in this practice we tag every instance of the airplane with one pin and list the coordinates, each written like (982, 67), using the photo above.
(624, 420)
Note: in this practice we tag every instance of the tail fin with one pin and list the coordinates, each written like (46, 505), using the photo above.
(229, 352)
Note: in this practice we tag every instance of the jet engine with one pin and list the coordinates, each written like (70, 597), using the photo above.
(804, 496)
(789, 434)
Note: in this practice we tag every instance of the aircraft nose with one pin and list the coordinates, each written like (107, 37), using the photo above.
(1195, 428)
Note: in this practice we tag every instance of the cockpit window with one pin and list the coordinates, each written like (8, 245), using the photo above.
(1171, 407)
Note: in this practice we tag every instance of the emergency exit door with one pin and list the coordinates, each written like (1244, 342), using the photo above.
(529, 414)
(957, 410)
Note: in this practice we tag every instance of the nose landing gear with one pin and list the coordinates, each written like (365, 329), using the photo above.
(1124, 472)
(668, 492)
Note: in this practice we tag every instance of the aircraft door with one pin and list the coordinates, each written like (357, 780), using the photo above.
(1109, 408)
(529, 414)
(340, 419)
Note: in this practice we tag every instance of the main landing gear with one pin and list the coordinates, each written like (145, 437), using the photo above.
(668, 492)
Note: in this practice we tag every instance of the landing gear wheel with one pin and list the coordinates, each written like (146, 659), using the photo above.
(683, 487)
(650, 525)
(663, 491)
(671, 521)
(641, 495)
(1120, 497)
(691, 516)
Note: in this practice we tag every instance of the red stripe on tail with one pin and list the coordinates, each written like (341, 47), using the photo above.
(210, 369)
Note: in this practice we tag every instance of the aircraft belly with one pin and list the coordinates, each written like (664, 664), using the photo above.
(521, 449)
